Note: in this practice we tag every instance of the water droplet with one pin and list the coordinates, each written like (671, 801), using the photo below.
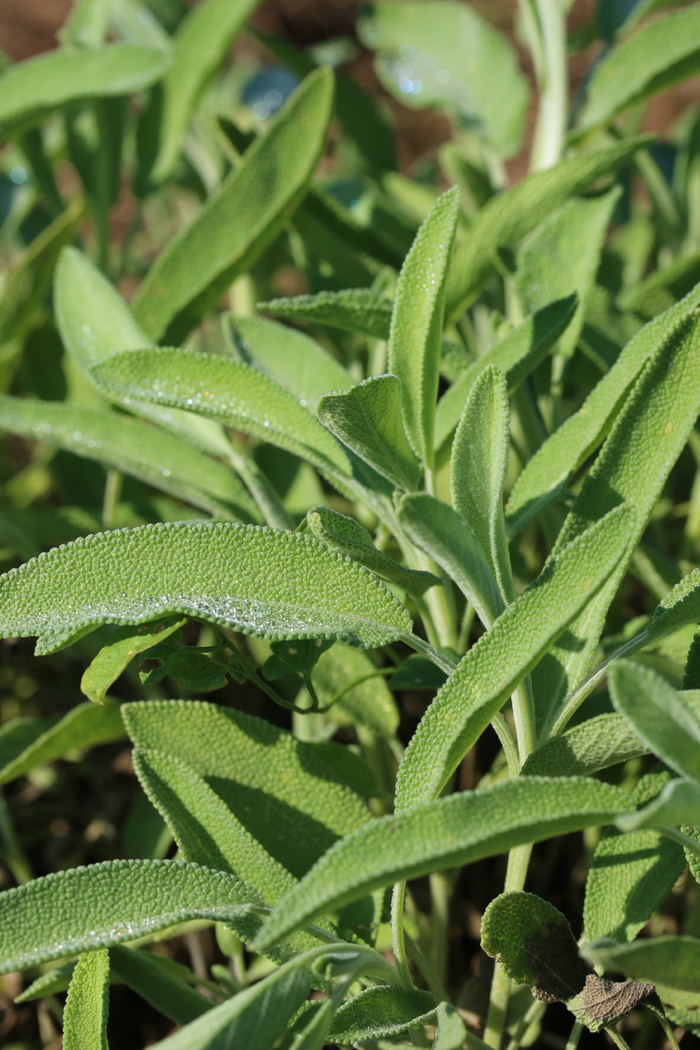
(165, 472)
(18, 175)
(302, 402)
(266, 423)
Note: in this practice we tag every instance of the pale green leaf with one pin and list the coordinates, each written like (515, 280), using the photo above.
(224, 390)
(598, 743)
(516, 354)
(509, 217)
(26, 743)
(381, 1011)
(359, 310)
(442, 533)
(119, 900)
(199, 46)
(445, 833)
(348, 677)
(368, 419)
(666, 960)
(502, 657)
(478, 471)
(239, 221)
(678, 803)
(87, 1003)
(662, 53)
(157, 980)
(31, 90)
(261, 581)
(416, 322)
(680, 607)
(569, 446)
(348, 537)
(117, 654)
(50, 983)
(451, 1032)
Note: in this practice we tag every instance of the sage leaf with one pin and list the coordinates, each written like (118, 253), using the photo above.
(358, 310)
(493, 667)
(117, 654)
(31, 90)
(239, 221)
(681, 606)
(347, 678)
(678, 803)
(87, 1003)
(381, 1011)
(597, 743)
(478, 472)
(668, 960)
(451, 1031)
(416, 322)
(118, 900)
(261, 581)
(50, 983)
(160, 981)
(444, 833)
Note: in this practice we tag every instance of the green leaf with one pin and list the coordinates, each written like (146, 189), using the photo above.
(569, 446)
(597, 743)
(117, 654)
(223, 390)
(368, 419)
(155, 457)
(478, 472)
(362, 698)
(263, 582)
(31, 90)
(103, 904)
(440, 531)
(444, 54)
(509, 217)
(381, 1011)
(26, 743)
(358, 310)
(678, 803)
(416, 322)
(269, 780)
(516, 354)
(239, 221)
(445, 833)
(501, 658)
(680, 607)
(199, 46)
(666, 960)
(662, 53)
(451, 1031)
(348, 537)
(658, 714)
(50, 983)
(155, 979)
(692, 857)
(87, 1003)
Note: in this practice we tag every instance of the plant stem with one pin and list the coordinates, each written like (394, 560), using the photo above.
(110, 501)
(261, 490)
(398, 939)
(617, 1039)
(573, 1039)
(547, 26)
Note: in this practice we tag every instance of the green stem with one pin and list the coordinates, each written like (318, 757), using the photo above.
(665, 1024)
(431, 978)
(686, 841)
(617, 1039)
(510, 748)
(573, 1039)
(261, 490)
(398, 939)
(440, 895)
(548, 43)
(110, 501)
(534, 1011)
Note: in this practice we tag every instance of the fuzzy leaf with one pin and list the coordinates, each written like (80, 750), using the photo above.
(478, 471)
(239, 221)
(357, 310)
(678, 803)
(117, 654)
(597, 743)
(87, 1003)
(666, 960)
(492, 668)
(416, 322)
(31, 90)
(681, 606)
(451, 1032)
(361, 697)
(444, 833)
(381, 1011)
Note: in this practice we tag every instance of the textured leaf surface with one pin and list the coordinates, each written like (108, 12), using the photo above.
(381, 1011)
(238, 222)
(263, 582)
(492, 668)
(444, 833)
(509, 217)
(114, 657)
(451, 1032)
(84, 908)
(667, 960)
(363, 698)
(678, 803)
(30, 90)
(87, 1003)
(26, 743)
(368, 418)
(596, 744)
(681, 606)
(353, 310)
(416, 322)
(224, 390)
(478, 471)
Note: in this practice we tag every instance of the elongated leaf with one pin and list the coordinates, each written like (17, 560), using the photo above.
(492, 668)
(200, 44)
(381, 1011)
(659, 55)
(507, 218)
(478, 472)
(667, 960)
(517, 354)
(263, 582)
(440, 531)
(567, 448)
(26, 743)
(441, 834)
(357, 310)
(226, 391)
(290, 357)
(87, 1004)
(151, 976)
(116, 656)
(642, 447)
(658, 714)
(416, 322)
(50, 983)
(153, 456)
(349, 677)
(103, 904)
(368, 418)
(678, 803)
(30, 90)
(347, 536)
(236, 224)
(595, 744)
(681, 606)
(451, 1031)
